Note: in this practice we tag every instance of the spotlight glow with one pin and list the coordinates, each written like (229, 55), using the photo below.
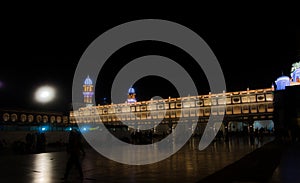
(45, 94)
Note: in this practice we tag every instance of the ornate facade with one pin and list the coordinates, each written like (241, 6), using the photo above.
(241, 105)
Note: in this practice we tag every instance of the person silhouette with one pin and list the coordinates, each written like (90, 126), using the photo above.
(74, 148)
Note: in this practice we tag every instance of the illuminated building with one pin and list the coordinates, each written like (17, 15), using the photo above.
(244, 110)
(248, 108)
(88, 91)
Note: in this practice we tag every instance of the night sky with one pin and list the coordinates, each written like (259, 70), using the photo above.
(45, 49)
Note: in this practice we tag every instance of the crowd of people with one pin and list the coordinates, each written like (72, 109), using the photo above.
(34, 143)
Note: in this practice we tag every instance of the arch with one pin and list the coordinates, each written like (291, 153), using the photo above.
(38, 118)
(235, 126)
(266, 124)
(58, 119)
(30, 118)
(6, 117)
(23, 117)
(52, 119)
(14, 117)
(65, 119)
(45, 118)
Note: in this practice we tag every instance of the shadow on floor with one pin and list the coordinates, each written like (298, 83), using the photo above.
(257, 166)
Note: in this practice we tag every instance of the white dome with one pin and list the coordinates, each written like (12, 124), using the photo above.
(282, 82)
(131, 90)
(88, 81)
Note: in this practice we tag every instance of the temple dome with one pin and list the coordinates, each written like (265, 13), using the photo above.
(131, 90)
(88, 81)
(282, 82)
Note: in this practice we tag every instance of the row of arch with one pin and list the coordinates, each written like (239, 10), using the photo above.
(6, 117)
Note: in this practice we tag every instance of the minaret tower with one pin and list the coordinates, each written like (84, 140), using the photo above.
(88, 91)
(131, 95)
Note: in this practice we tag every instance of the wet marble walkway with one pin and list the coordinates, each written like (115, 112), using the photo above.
(187, 165)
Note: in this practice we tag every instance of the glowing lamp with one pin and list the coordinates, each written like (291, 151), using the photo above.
(45, 94)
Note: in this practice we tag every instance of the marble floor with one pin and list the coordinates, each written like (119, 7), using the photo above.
(187, 165)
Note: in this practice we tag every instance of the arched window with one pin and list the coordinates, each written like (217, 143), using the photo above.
(23, 117)
(5, 117)
(14, 117)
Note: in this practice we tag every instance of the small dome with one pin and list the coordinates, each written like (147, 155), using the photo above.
(88, 81)
(282, 82)
(131, 90)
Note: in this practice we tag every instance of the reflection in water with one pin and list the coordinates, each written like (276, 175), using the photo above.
(42, 168)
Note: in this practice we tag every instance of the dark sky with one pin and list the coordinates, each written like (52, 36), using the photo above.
(45, 48)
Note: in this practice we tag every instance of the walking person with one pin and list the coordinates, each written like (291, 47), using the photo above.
(74, 149)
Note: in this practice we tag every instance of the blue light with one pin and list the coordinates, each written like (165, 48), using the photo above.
(68, 129)
(84, 129)
(43, 129)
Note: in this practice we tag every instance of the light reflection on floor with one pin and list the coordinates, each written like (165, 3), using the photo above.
(42, 168)
(187, 165)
